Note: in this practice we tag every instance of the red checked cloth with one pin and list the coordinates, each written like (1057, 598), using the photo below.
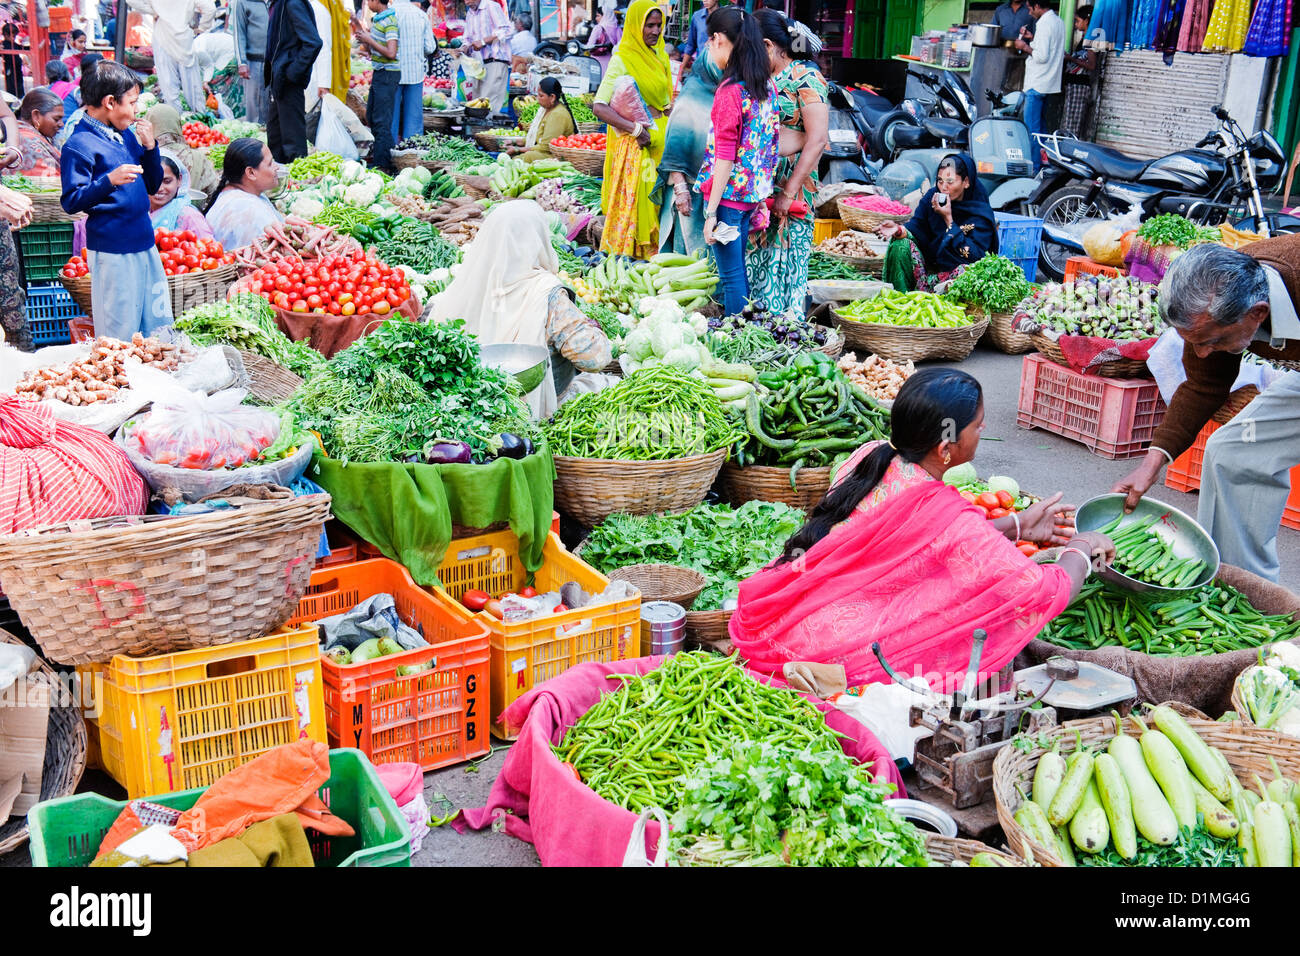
(52, 471)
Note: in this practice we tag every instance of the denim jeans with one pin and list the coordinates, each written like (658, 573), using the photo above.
(379, 110)
(730, 258)
(1034, 122)
(408, 112)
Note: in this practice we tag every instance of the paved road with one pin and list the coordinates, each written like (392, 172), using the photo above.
(1043, 463)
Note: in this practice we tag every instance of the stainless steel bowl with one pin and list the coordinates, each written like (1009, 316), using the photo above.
(986, 34)
(1188, 538)
(527, 363)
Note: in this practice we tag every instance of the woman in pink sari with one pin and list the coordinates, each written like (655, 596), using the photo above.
(895, 556)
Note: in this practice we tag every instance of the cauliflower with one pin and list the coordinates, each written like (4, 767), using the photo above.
(1284, 655)
(699, 323)
(307, 206)
(352, 172)
(364, 192)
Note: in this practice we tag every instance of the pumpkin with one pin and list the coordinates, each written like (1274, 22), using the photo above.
(1101, 242)
(1126, 243)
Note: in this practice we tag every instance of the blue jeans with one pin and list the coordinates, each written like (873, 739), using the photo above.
(730, 258)
(379, 110)
(408, 111)
(1034, 121)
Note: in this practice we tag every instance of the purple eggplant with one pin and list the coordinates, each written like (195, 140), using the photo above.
(513, 446)
(440, 451)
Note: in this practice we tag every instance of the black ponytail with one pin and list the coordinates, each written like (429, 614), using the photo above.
(934, 405)
(240, 155)
(749, 64)
(551, 87)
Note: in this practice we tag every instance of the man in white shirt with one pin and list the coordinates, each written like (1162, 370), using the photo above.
(1043, 68)
(175, 25)
(523, 42)
(415, 42)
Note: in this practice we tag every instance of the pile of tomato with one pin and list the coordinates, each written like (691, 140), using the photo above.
(477, 600)
(76, 267)
(183, 252)
(197, 135)
(338, 285)
(594, 141)
(998, 504)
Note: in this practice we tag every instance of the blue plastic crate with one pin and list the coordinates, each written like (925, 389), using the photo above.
(1018, 240)
(1028, 266)
(49, 307)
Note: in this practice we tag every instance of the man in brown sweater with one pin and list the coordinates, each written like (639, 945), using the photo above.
(1224, 302)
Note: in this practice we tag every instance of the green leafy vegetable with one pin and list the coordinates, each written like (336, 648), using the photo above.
(609, 320)
(1194, 847)
(1168, 229)
(994, 282)
(247, 322)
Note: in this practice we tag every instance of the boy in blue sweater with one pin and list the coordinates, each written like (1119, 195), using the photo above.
(109, 173)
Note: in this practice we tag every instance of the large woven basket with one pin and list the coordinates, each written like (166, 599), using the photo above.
(834, 346)
(900, 343)
(405, 158)
(590, 162)
(79, 289)
(950, 850)
(662, 582)
(864, 220)
(1246, 748)
(46, 207)
(1001, 333)
(151, 585)
(767, 483)
(472, 185)
(1236, 402)
(872, 265)
(65, 750)
(708, 629)
(596, 127)
(589, 490)
(269, 381)
(494, 143)
(200, 288)
(1120, 368)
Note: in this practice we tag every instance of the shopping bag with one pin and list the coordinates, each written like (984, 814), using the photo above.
(333, 137)
(636, 855)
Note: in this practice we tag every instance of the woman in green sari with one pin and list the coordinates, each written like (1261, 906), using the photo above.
(681, 209)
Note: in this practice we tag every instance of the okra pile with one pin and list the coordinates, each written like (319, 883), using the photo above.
(1213, 619)
(636, 746)
(1143, 555)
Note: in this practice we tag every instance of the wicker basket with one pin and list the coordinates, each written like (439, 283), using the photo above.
(1120, 368)
(46, 207)
(1236, 402)
(406, 158)
(872, 265)
(65, 750)
(864, 220)
(494, 143)
(269, 381)
(834, 346)
(589, 490)
(662, 582)
(79, 289)
(900, 343)
(1247, 749)
(162, 584)
(597, 127)
(590, 162)
(1001, 333)
(473, 186)
(767, 483)
(200, 288)
(708, 629)
(950, 850)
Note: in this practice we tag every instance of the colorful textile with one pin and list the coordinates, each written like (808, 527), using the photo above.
(340, 48)
(744, 131)
(684, 144)
(631, 217)
(40, 156)
(1144, 18)
(919, 587)
(1229, 24)
(1109, 24)
(1270, 29)
(905, 267)
(13, 300)
(1196, 20)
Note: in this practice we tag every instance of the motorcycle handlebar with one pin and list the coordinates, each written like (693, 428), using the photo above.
(1220, 114)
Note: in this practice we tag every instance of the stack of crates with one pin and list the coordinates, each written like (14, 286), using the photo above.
(1184, 474)
(45, 248)
(49, 311)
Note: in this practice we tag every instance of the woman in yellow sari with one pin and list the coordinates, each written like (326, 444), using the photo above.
(634, 149)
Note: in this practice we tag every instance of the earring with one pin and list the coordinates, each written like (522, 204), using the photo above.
(947, 458)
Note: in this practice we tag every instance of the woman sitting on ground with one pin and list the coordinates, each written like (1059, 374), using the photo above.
(240, 212)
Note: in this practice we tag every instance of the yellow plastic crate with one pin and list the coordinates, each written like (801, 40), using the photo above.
(824, 229)
(523, 655)
(179, 721)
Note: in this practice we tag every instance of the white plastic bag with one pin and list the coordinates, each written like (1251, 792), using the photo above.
(224, 111)
(635, 854)
(333, 137)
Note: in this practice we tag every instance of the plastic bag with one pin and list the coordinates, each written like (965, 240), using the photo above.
(636, 854)
(224, 111)
(627, 103)
(332, 135)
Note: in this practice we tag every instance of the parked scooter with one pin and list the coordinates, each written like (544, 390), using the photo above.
(845, 159)
(1217, 181)
(922, 122)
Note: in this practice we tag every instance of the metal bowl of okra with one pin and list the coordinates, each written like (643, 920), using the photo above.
(1158, 549)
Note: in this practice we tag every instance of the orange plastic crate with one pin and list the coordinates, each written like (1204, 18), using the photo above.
(344, 548)
(1076, 264)
(178, 721)
(1184, 474)
(1113, 417)
(435, 717)
(525, 654)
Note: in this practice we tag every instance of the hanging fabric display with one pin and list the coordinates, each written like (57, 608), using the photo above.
(1169, 23)
(1196, 19)
(1270, 29)
(1142, 27)
(1228, 25)
(1109, 23)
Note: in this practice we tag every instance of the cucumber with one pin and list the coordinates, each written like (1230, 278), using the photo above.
(989, 859)
(1088, 827)
(1166, 765)
(1219, 820)
(1117, 803)
(1272, 835)
(1048, 775)
(1194, 751)
(1152, 815)
(1069, 795)
(1293, 822)
(1033, 821)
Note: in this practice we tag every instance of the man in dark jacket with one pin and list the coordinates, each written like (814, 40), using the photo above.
(291, 47)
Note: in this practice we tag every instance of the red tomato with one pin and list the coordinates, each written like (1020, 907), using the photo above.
(188, 236)
(314, 301)
(528, 592)
(988, 501)
(1005, 499)
(968, 495)
(1027, 548)
(998, 513)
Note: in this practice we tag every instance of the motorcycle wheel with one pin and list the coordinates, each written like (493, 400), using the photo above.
(1065, 207)
(882, 136)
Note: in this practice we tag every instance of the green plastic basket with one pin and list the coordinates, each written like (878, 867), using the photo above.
(68, 831)
(46, 248)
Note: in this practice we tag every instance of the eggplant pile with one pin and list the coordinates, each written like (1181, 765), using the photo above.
(1109, 307)
(445, 451)
(786, 329)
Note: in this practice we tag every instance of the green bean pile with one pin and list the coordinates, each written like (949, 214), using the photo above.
(633, 747)
(343, 217)
(317, 164)
(1143, 555)
(654, 414)
(1213, 619)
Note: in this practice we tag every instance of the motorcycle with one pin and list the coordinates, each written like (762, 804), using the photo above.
(845, 160)
(1219, 180)
(922, 122)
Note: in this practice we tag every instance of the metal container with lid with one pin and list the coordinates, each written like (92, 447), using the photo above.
(986, 34)
(663, 628)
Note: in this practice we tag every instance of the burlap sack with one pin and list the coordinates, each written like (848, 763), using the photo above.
(1201, 682)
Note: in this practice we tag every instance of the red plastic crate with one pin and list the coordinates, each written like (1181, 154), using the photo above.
(1076, 264)
(1113, 417)
(343, 546)
(436, 717)
(1184, 474)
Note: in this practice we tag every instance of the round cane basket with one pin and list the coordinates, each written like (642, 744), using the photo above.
(768, 483)
(65, 749)
(1120, 368)
(872, 265)
(589, 162)
(494, 143)
(1246, 748)
(472, 185)
(405, 158)
(79, 289)
(1236, 402)
(269, 381)
(597, 127)
(161, 584)
(708, 629)
(1001, 333)
(864, 220)
(200, 288)
(46, 207)
(950, 851)
(662, 582)
(905, 344)
(589, 490)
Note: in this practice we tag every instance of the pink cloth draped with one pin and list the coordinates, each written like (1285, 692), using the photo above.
(917, 574)
(542, 801)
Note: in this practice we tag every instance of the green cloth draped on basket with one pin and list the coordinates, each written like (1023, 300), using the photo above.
(407, 511)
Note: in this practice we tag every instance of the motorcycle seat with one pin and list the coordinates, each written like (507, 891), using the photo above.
(953, 131)
(1110, 163)
(910, 137)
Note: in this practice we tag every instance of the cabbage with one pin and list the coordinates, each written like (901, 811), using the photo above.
(960, 475)
(637, 344)
(684, 358)
(1002, 483)
(665, 338)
